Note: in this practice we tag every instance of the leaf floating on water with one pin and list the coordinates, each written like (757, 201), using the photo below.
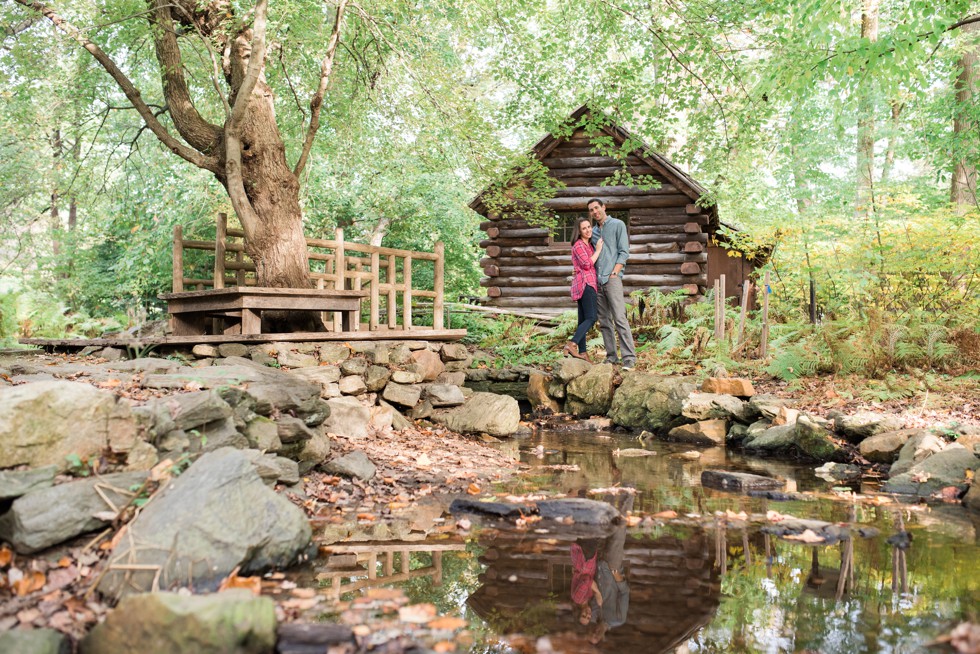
(774, 516)
(741, 515)
(666, 515)
(473, 489)
(633, 451)
(447, 623)
(614, 490)
(808, 536)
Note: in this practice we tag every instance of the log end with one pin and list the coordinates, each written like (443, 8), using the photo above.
(690, 268)
(693, 247)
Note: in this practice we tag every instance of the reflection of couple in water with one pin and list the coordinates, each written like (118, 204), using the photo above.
(600, 591)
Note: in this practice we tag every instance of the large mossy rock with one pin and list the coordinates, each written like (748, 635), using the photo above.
(49, 516)
(165, 623)
(34, 641)
(215, 517)
(497, 415)
(805, 439)
(591, 394)
(650, 402)
(43, 423)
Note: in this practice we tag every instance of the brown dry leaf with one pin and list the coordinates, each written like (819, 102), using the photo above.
(27, 616)
(417, 613)
(384, 594)
(666, 515)
(300, 604)
(109, 383)
(253, 584)
(448, 623)
(423, 460)
(162, 471)
(774, 516)
(473, 489)
(6, 556)
(369, 517)
(64, 562)
(633, 520)
(731, 515)
(397, 505)
(808, 536)
(444, 646)
(30, 582)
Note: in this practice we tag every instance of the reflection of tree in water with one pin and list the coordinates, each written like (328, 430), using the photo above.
(673, 589)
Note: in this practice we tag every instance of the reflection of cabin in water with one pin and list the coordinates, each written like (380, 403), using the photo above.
(674, 588)
(674, 244)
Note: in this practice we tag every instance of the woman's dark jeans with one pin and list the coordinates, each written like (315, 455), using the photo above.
(586, 317)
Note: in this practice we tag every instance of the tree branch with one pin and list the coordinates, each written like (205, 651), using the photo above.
(233, 137)
(132, 93)
(199, 133)
(316, 102)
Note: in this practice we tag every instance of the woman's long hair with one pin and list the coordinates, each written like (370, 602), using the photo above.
(578, 230)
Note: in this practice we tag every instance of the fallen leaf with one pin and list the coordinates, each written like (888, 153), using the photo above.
(253, 584)
(30, 582)
(417, 613)
(731, 515)
(633, 520)
(6, 556)
(444, 646)
(369, 517)
(920, 477)
(808, 536)
(667, 515)
(473, 489)
(447, 623)
(423, 461)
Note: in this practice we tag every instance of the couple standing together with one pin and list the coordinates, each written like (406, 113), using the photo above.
(599, 254)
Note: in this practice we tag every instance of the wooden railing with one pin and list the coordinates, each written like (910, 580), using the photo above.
(386, 274)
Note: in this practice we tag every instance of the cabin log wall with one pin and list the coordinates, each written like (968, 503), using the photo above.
(525, 269)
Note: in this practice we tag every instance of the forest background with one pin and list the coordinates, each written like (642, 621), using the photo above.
(842, 136)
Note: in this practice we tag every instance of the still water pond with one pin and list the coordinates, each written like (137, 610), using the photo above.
(688, 584)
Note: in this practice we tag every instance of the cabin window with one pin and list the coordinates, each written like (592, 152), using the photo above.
(566, 222)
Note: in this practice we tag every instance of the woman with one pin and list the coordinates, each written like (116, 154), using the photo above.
(584, 286)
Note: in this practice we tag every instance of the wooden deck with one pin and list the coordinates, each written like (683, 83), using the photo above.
(183, 341)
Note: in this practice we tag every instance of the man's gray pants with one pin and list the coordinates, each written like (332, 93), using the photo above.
(612, 313)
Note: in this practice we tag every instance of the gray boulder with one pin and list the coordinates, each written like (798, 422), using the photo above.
(323, 375)
(356, 366)
(34, 641)
(226, 350)
(650, 402)
(863, 424)
(569, 369)
(591, 394)
(766, 406)
(441, 395)
(355, 464)
(703, 432)
(333, 353)
(348, 417)
(402, 394)
(352, 385)
(14, 483)
(163, 623)
(375, 378)
(738, 481)
(497, 415)
(454, 352)
(806, 438)
(215, 517)
(44, 422)
(49, 516)
(886, 446)
(931, 475)
(272, 468)
(916, 449)
(582, 511)
(711, 406)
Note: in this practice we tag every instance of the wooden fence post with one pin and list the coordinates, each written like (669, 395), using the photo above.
(407, 296)
(178, 261)
(392, 296)
(220, 243)
(375, 291)
(721, 306)
(764, 344)
(339, 268)
(438, 304)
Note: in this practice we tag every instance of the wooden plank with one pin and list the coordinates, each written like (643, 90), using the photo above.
(251, 322)
(407, 294)
(374, 319)
(599, 172)
(592, 161)
(262, 290)
(604, 192)
(419, 333)
(439, 280)
(340, 270)
(392, 297)
(220, 239)
(619, 203)
(178, 259)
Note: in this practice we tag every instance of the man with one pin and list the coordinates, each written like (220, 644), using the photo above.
(609, 271)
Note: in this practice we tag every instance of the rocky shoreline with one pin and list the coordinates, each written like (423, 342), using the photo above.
(121, 477)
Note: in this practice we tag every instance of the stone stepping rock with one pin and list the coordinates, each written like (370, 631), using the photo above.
(738, 481)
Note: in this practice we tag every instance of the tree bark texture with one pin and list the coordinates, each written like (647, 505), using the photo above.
(963, 187)
(866, 121)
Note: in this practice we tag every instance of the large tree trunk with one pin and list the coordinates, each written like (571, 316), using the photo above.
(963, 187)
(866, 123)
(275, 241)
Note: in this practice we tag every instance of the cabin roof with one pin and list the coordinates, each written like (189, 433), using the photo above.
(684, 182)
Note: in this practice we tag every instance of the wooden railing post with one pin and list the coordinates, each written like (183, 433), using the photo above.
(375, 291)
(178, 281)
(439, 280)
(392, 297)
(340, 268)
(220, 242)
(407, 296)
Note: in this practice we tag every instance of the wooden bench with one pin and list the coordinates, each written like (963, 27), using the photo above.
(238, 309)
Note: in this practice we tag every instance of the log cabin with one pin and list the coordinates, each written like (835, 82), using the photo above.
(675, 243)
